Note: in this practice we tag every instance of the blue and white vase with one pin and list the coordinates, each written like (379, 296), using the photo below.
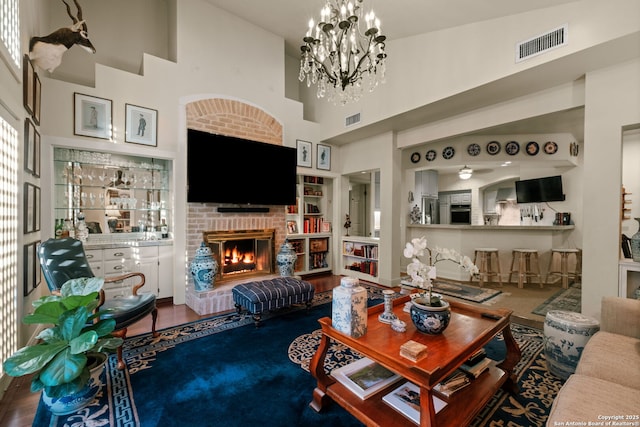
(429, 319)
(203, 269)
(565, 335)
(349, 308)
(74, 402)
(286, 259)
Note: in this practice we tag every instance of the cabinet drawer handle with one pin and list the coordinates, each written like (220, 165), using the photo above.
(89, 256)
(118, 267)
(119, 254)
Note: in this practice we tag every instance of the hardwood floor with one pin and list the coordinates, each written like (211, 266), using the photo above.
(19, 405)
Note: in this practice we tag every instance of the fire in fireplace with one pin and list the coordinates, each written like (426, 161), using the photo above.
(239, 256)
(242, 253)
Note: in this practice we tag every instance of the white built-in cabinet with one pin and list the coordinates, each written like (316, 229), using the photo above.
(426, 184)
(155, 262)
(360, 257)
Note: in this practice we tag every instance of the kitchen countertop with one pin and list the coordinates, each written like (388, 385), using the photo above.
(495, 227)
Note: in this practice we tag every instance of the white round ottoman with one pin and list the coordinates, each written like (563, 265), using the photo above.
(565, 335)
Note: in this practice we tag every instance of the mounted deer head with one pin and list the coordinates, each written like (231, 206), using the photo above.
(46, 52)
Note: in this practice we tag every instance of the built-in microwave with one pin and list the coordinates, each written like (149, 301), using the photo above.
(460, 214)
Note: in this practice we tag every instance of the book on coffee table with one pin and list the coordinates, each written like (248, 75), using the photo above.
(406, 400)
(364, 377)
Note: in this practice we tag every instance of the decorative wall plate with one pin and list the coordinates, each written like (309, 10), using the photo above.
(448, 153)
(473, 149)
(512, 148)
(550, 147)
(532, 148)
(431, 155)
(493, 148)
(415, 157)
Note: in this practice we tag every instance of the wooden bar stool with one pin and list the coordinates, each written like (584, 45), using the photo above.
(482, 258)
(522, 259)
(564, 273)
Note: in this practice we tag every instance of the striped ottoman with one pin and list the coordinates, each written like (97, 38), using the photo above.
(266, 295)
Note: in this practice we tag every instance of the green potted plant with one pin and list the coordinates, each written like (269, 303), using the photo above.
(62, 358)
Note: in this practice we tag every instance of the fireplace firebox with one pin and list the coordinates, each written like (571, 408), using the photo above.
(241, 253)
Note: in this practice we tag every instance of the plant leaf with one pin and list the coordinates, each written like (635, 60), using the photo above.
(84, 342)
(71, 387)
(63, 368)
(49, 312)
(30, 359)
(73, 301)
(103, 327)
(72, 322)
(108, 343)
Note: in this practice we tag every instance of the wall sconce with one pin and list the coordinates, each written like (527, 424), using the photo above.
(465, 172)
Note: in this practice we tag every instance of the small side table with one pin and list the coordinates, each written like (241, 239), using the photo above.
(565, 335)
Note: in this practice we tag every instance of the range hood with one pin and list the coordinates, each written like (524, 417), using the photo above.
(506, 194)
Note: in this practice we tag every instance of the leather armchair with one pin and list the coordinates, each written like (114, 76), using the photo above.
(64, 259)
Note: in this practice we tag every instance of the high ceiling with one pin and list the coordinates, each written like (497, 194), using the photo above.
(399, 19)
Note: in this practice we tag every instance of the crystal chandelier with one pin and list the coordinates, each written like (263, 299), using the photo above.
(338, 56)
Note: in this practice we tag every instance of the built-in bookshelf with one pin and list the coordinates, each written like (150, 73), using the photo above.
(309, 224)
(360, 257)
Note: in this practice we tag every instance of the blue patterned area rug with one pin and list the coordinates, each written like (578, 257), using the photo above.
(569, 299)
(223, 371)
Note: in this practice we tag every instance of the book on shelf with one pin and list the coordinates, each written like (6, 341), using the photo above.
(406, 400)
(364, 377)
(476, 357)
(454, 382)
(478, 368)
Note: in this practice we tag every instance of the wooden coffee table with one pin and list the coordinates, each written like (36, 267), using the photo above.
(468, 331)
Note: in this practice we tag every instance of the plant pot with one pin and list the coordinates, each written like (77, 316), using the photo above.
(429, 319)
(76, 401)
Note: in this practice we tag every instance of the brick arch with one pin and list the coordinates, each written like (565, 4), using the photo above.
(233, 118)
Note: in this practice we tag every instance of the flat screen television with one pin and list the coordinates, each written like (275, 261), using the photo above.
(224, 169)
(548, 189)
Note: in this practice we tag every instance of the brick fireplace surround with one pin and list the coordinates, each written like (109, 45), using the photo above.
(231, 118)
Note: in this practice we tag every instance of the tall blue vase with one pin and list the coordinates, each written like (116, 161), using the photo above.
(286, 259)
(203, 269)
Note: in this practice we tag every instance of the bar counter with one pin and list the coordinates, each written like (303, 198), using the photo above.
(466, 238)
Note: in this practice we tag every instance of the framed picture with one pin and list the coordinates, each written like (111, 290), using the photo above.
(29, 207)
(36, 209)
(28, 74)
(37, 98)
(92, 116)
(292, 227)
(323, 158)
(141, 125)
(31, 272)
(32, 148)
(304, 153)
(326, 227)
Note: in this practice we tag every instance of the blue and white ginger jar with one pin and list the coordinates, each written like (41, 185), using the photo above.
(349, 308)
(286, 259)
(203, 269)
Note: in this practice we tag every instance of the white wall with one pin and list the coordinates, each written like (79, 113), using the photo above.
(612, 102)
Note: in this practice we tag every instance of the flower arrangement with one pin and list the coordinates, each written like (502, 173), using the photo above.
(422, 273)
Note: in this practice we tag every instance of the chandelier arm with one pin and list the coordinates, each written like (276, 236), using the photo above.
(331, 79)
(357, 68)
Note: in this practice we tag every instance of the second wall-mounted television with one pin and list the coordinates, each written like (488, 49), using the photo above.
(548, 189)
(224, 169)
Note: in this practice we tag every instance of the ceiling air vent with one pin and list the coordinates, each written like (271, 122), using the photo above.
(543, 43)
(352, 120)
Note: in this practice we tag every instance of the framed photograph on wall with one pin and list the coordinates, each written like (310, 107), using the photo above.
(141, 125)
(92, 116)
(31, 272)
(323, 157)
(304, 153)
(37, 98)
(36, 209)
(28, 74)
(29, 208)
(31, 140)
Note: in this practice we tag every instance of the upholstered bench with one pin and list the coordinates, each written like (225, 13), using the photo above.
(271, 294)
